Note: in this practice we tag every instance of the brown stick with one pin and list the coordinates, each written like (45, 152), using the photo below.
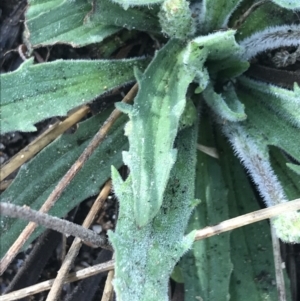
(247, 219)
(278, 266)
(75, 247)
(46, 285)
(53, 197)
(40, 142)
(201, 234)
(52, 222)
(5, 184)
(108, 288)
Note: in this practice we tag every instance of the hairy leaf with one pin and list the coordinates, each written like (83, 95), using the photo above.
(145, 256)
(80, 22)
(50, 89)
(227, 106)
(270, 38)
(289, 179)
(251, 248)
(250, 140)
(220, 45)
(283, 102)
(223, 56)
(154, 119)
(155, 115)
(207, 267)
(38, 178)
(266, 15)
(213, 15)
(265, 126)
(287, 225)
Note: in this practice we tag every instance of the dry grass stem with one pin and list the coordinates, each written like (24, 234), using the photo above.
(211, 151)
(76, 245)
(278, 266)
(201, 234)
(40, 142)
(108, 289)
(247, 219)
(52, 222)
(5, 184)
(55, 194)
(46, 285)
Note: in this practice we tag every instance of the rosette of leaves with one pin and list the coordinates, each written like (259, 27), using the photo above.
(206, 60)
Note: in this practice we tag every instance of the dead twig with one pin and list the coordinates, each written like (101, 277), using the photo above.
(46, 285)
(75, 247)
(108, 289)
(5, 184)
(227, 225)
(40, 142)
(52, 222)
(278, 266)
(247, 219)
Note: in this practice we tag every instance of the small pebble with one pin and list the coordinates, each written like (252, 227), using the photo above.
(97, 228)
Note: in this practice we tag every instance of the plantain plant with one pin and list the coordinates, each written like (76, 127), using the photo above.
(201, 87)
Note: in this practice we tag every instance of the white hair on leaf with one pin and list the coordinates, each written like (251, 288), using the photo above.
(271, 38)
(256, 161)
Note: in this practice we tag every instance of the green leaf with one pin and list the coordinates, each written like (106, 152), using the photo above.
(220, 45)
(50, 89)
(251, 247)
(215, 15)
(177, 274)
(189, 115)
(227, 70)
(289, 4)
(265, 126)
(33, 185)
(289, 180)
(146, 256)
(155, 115)
(223, 57)
(79, 23)
(207, 267)
(63, 21)
(250, 140)
(285, 103)
(287, 225)
(266, 15)
(227, 106)
(270, 38)
(154, 118)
